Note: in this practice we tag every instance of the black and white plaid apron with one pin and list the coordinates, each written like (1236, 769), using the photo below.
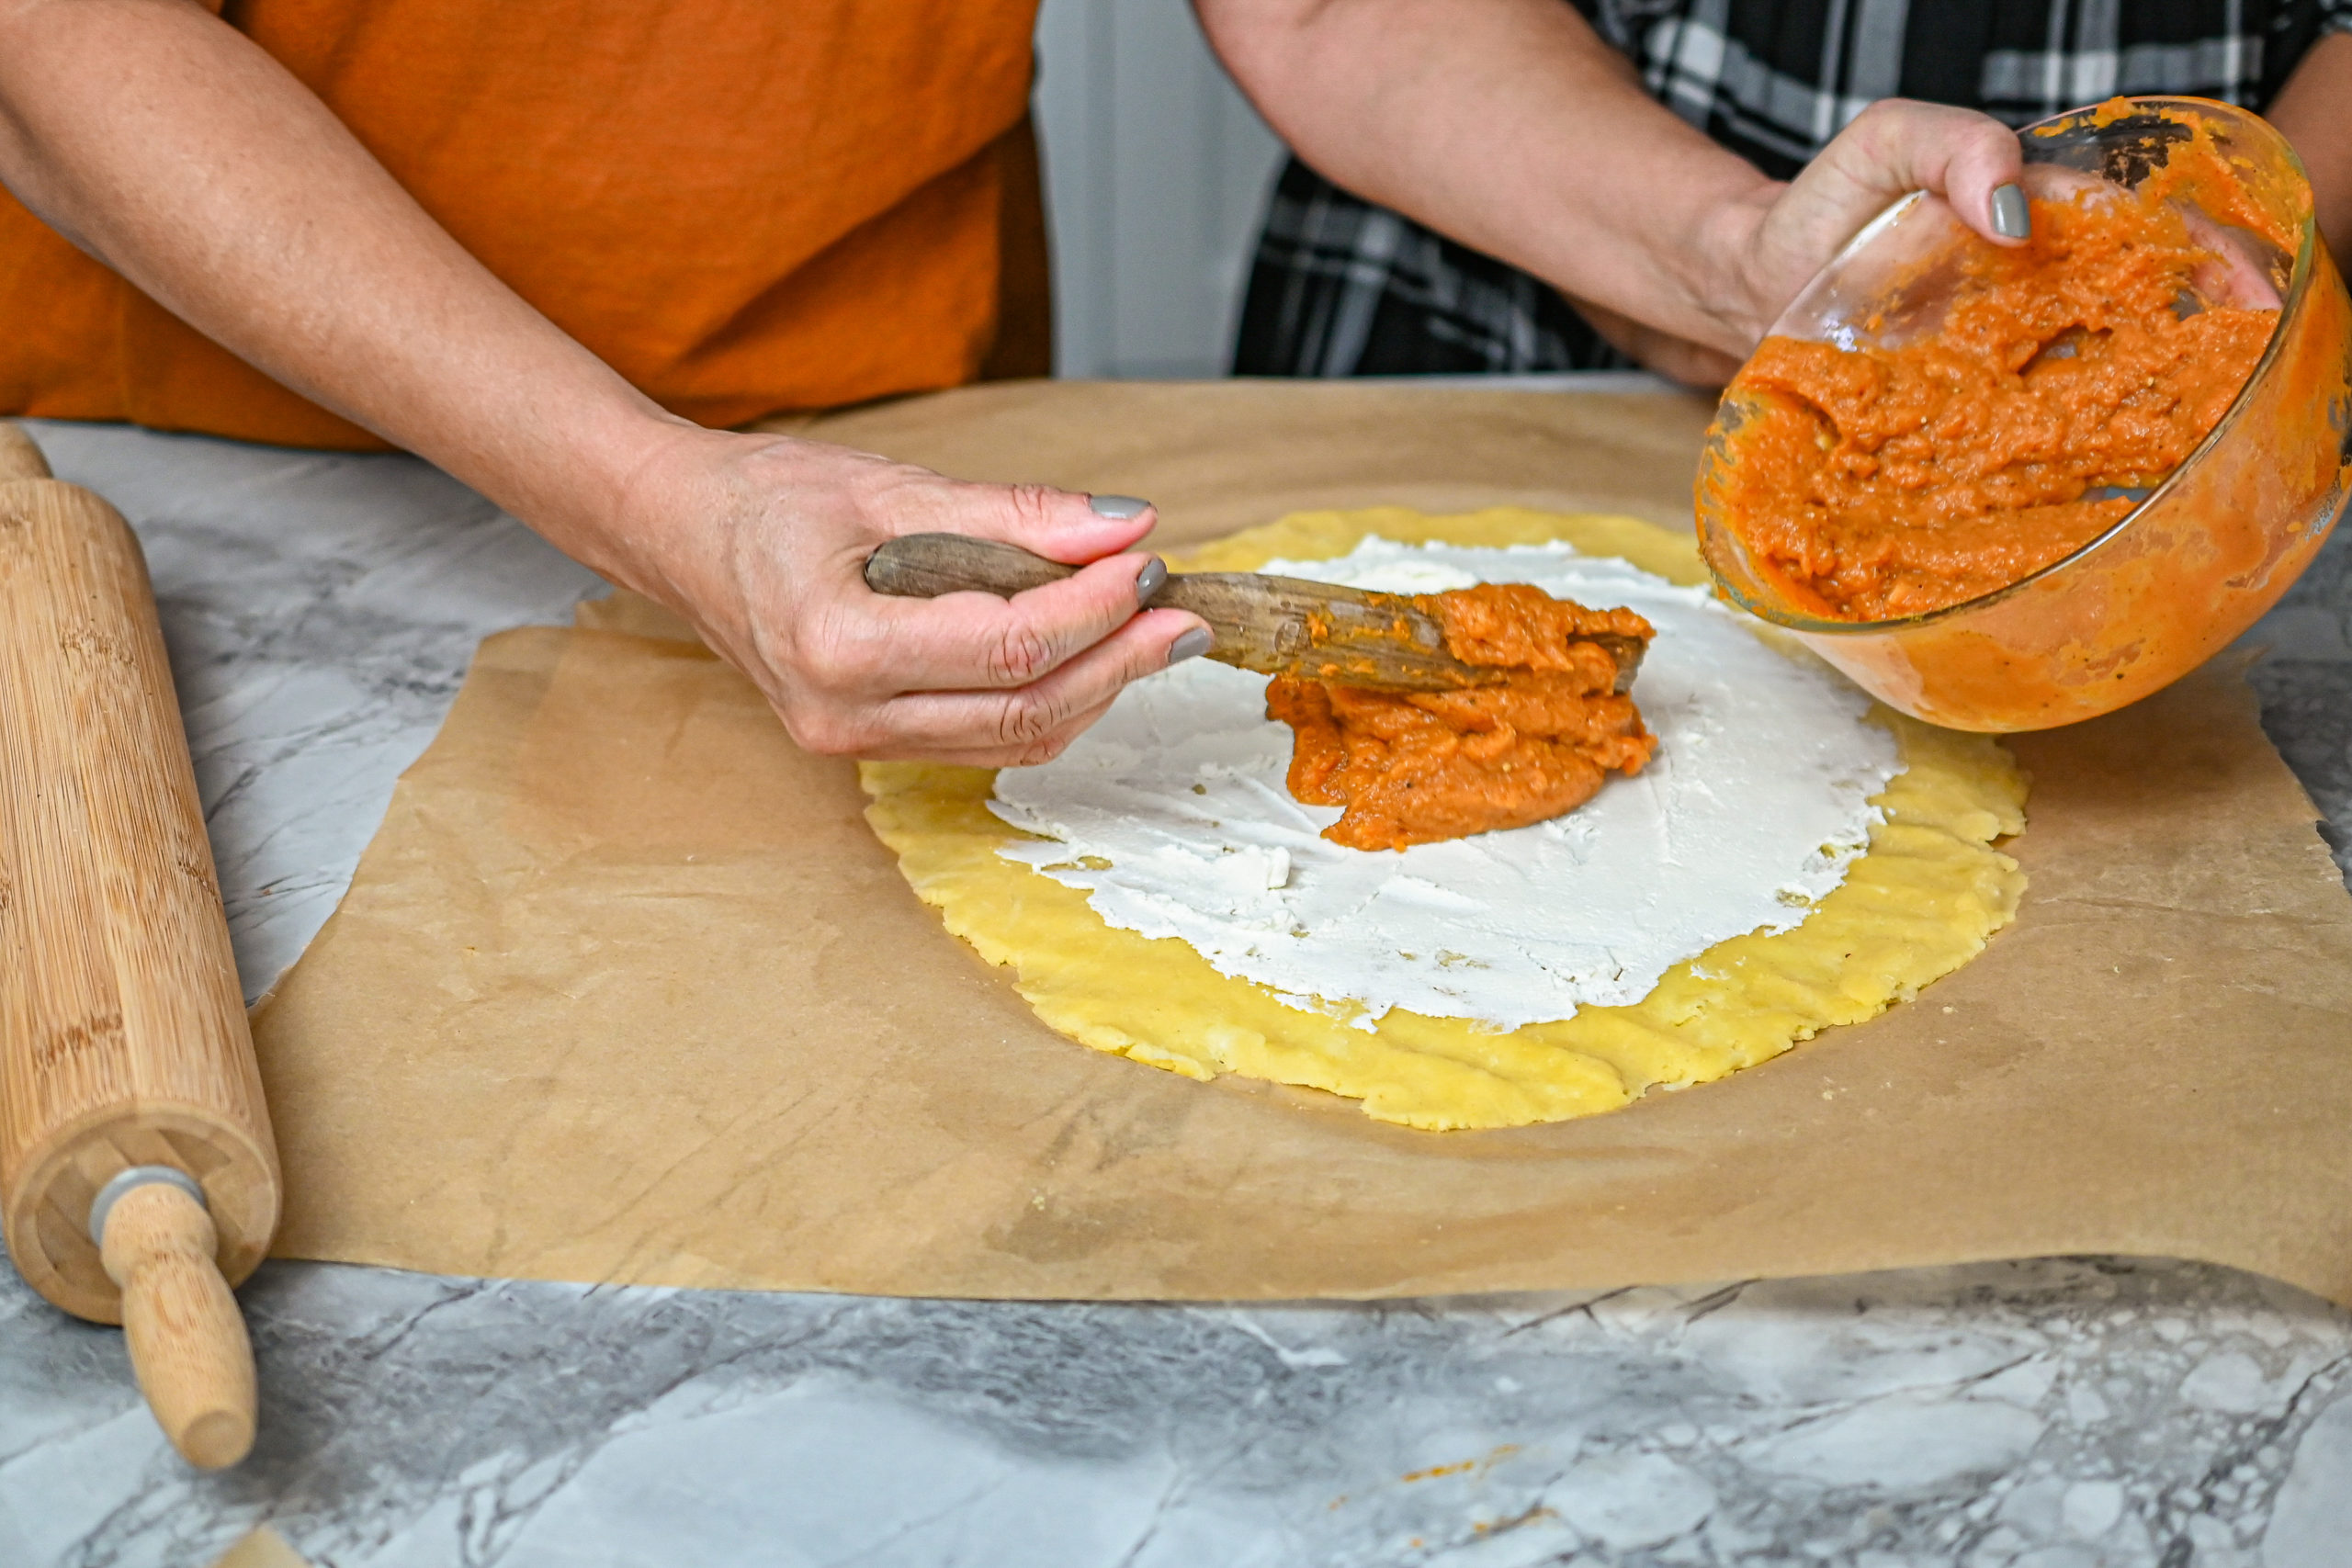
(1342, 287)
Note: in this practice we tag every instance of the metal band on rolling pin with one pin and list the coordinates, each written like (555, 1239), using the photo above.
(125, 1182)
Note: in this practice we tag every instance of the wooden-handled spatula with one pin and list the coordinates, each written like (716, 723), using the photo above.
(1276, 626)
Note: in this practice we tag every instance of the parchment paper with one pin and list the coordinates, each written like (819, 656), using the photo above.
(624, 990)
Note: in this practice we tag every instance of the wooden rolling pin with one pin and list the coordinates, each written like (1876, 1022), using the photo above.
(1276, 626)
(138, 1179)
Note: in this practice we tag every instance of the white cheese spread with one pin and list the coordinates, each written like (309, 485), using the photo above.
(1171, 813)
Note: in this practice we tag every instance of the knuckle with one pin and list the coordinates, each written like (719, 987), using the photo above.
(1026, 719)
(827, 654)
(1878, 127)
(1032, 505)
(825, 733)
(1991, 138)
(1018, 655)
(884, 487)
(820, 664)
(1044, 751)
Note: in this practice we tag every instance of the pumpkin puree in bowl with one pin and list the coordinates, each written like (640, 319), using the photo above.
(2065, 379)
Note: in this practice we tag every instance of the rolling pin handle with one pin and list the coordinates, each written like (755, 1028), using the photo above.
(187, 1340)
(20, 456)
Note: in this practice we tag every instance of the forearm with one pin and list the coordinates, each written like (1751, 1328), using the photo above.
(2313, 111)
(169, 146)
(1509, 126)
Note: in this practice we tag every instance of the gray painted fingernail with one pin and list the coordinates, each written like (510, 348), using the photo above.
(1192, 645)
(2011, 220)
(1150, 579)
(1120, 506)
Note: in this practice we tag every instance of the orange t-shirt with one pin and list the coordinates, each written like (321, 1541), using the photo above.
(743, 208)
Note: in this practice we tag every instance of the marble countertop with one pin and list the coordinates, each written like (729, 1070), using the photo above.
(2089, 1413)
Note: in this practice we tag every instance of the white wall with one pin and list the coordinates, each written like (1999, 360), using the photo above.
(1156, 177)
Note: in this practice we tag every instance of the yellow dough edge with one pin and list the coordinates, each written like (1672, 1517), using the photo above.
(1923, 902)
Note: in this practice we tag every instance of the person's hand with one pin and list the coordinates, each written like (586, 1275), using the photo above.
(761, 542)
(178, 151)
(1765, 245)
(1768, 244)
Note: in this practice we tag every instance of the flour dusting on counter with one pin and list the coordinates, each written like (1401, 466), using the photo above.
(1171, 814)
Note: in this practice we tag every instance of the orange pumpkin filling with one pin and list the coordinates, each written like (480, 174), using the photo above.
(1415, 767)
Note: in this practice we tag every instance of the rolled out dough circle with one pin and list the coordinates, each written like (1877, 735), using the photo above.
(1173, 815)
(1925, 899)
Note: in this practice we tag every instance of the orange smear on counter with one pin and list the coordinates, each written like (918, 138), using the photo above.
(1415, 767)
(1875, 483)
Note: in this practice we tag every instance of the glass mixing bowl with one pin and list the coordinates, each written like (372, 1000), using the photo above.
(2195, 562)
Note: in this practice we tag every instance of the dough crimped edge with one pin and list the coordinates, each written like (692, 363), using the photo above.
(1926, 897)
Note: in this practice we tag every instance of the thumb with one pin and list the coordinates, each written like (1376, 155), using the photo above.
(1891, 148)
(1896, 146)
